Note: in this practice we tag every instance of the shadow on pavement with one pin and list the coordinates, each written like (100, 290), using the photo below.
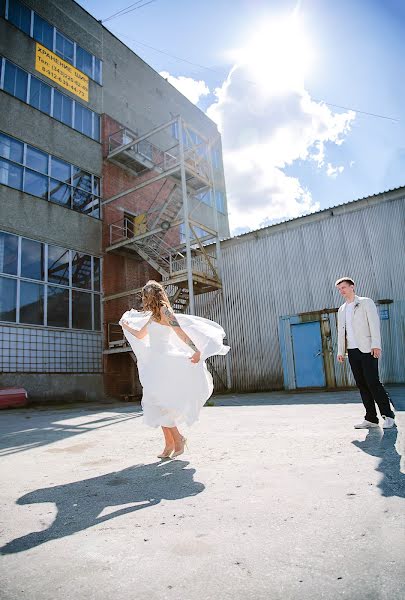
(382, 444)
(33, 429)
(316, 396)
(80, 504)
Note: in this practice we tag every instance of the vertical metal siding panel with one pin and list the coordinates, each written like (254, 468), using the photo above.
(294, 269)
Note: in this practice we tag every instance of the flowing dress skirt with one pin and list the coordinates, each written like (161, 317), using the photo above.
(174, 389)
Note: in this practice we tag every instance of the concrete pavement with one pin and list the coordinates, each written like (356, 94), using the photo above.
(278, 497)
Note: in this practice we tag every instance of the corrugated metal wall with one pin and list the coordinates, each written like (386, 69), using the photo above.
(291, 268)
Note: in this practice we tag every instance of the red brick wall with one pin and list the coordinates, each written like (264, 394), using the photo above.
(125, 272)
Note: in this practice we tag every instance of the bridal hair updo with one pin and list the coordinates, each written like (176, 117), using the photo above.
(153, 298)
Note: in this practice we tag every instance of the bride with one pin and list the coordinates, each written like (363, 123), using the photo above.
(171, 350)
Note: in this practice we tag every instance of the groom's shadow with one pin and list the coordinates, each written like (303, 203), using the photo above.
(381, 443)
(80, 504)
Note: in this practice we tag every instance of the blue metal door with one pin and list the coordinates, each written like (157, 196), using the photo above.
(308, 356)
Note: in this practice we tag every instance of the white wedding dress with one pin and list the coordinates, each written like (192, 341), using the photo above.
(174, 389)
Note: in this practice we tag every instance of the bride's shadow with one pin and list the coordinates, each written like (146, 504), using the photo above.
(80, 504)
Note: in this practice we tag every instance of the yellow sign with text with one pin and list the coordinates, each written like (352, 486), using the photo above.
(57, 69)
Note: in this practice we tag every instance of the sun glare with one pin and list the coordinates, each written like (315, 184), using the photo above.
(278, 56)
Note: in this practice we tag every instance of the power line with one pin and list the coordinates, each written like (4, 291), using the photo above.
(189, 62)
(173, 56)
(128, 9)
(121, 11)
(361, 112)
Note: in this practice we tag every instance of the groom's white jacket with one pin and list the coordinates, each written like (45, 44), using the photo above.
(366, 325)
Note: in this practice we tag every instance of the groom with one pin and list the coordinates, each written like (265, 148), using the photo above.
(359, 334)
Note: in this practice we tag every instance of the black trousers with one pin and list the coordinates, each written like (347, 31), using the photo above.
(365, 372)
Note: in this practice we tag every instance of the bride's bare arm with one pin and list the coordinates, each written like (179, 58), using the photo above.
(138, 334)
(173, 322)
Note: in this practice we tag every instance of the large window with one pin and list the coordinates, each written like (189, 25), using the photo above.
(43, 32)
(8, 253)
(21, 16)
(27, 168)
(48, 285)
(15, 81)
(8, 299)
(40, 95)
(220, 201)
(48, 100)
(11, 174)
(64, 47)
(63, 108)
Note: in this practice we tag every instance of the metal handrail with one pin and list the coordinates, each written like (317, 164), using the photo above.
(113, 331)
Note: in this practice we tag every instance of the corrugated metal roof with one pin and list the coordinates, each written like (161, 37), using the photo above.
(318, 212)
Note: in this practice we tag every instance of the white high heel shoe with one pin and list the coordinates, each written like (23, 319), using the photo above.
(181, 451)
(166, 454)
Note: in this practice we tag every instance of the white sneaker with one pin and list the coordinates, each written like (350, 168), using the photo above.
(366, 425)
(389, 423)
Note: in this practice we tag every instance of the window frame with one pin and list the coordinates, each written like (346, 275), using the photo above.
(53, 49)
(45, 283)
(94, 115)
(50, 177)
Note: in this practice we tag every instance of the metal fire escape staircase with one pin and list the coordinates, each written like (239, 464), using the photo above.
(185, 166)
(167, 236)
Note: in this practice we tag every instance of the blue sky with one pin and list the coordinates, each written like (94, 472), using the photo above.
(357, 51)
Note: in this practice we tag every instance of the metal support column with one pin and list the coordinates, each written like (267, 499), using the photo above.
(186, 217)
(219, 264)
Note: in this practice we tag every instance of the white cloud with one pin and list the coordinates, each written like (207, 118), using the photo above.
(268, 121)
(189, 87)
(332, 171)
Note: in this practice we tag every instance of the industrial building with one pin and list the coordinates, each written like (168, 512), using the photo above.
(281, 301)
(108, 176)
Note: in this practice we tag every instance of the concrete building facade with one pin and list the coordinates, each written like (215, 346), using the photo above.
(67, 87)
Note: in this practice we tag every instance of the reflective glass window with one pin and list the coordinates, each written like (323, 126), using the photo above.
(36, 184)
(31, 303)
(8, 299)
(97, 69)
(83, 119)
(96, 186)
(83, 201)
(43, 32)
(36, 159)
(97, 312)
(15, 81)
(220, 201)
(40, 95)
(60, 193)
(96, 132)
(81, 270)
(58, 306)
(64, 47)
(11, 174)
(96, 208)
(8, 253)
(32, 259)
(81, 310)
(81, 179)
(96, 273)
(62, 108)
(11, 148)
(58, 265)
(19, 15)
(84, 61)
(60, 169)
(205, 197)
